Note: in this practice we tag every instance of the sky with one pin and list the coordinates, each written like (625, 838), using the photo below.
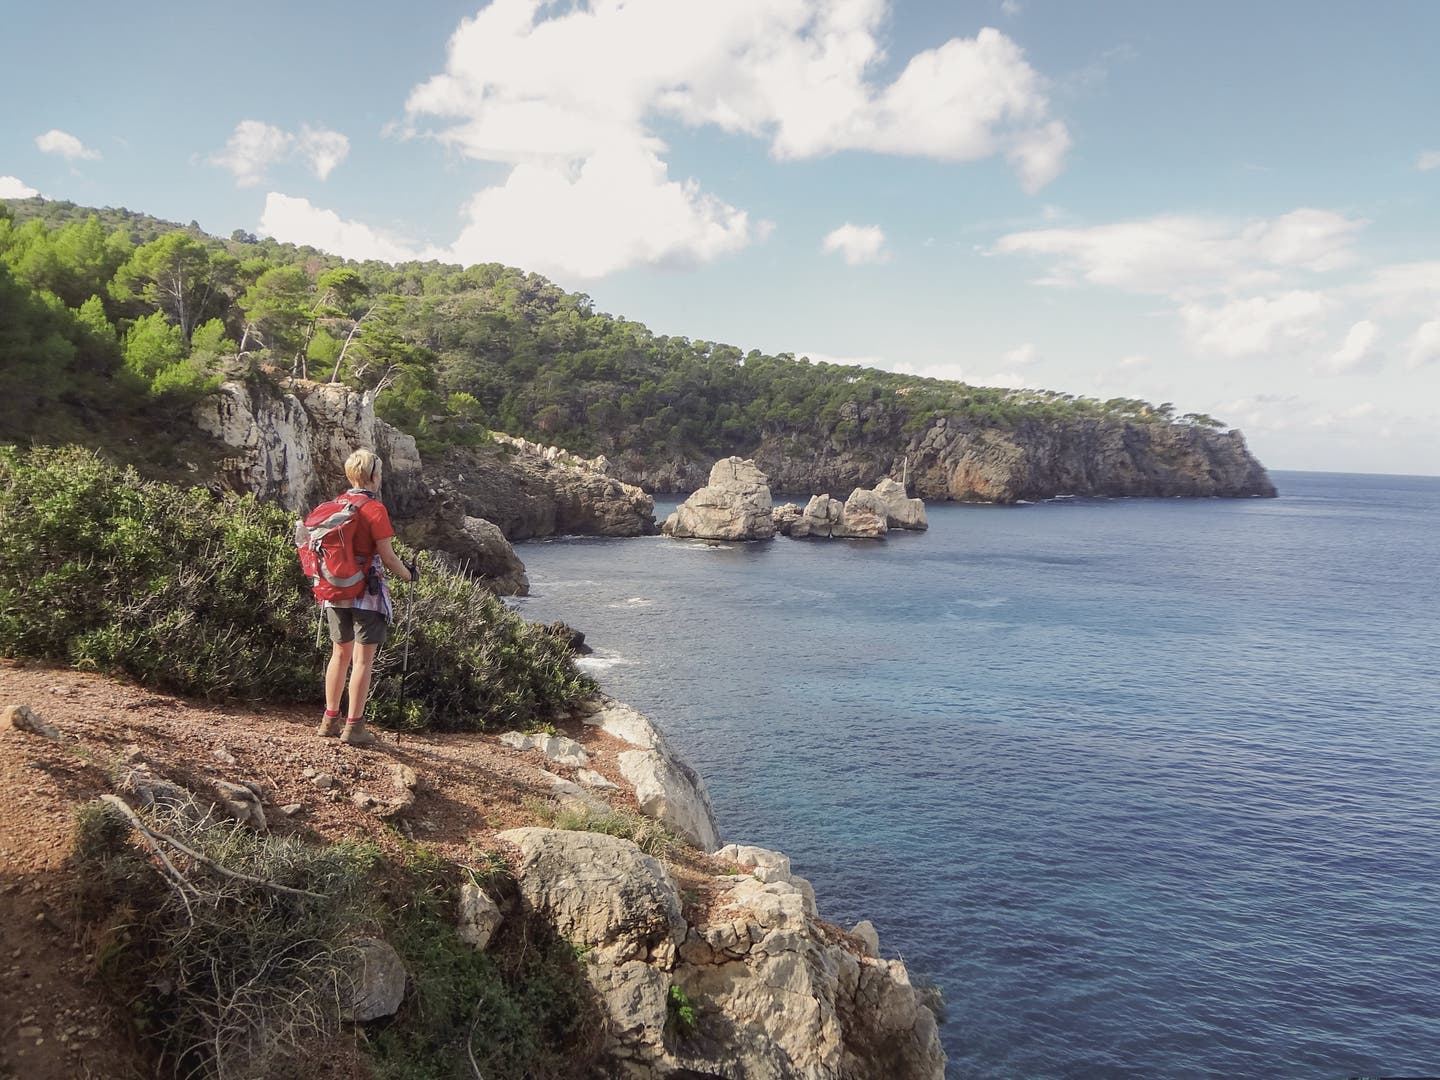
(1230, 206)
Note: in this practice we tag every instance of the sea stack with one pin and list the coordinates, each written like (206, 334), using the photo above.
(734, 505)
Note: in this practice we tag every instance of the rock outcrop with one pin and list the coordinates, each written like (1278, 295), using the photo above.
(867, 515)
(666, 787)
(902, 512)
(532, 491)
(462, 542)
(961, 459)
(863, 517)
(952, 460)
(288, 445)
(734, 505)
(775, 995)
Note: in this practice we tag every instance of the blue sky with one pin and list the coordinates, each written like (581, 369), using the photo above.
(1229, 206)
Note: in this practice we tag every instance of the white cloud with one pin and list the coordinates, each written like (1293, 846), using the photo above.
(322, 149)
(1008, 380)
(1428, 160)
(1011, 8)
(1257, 325)
(1261, 412)
(1135, 360)
(1358, 350)
(554, 88)
(856, 244)
(1330, 419)
(1240, 288)
(255, 146)
(1187, 256)
(295, 221)
(66, 145)
(1022, 356)
(1402, 287)
(618, 209)
(12, 187)
(1423, 348)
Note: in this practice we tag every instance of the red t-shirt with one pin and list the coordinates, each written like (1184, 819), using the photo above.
(377, 527)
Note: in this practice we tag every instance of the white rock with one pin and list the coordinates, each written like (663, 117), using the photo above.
(591, 779)
(760, 863)
(902, 512)
(600, 892)
(572, 796)
(868, 935)
(562, 751)
(864, 516)
(627, 724)
(479, 916)
(734, 505)
(290, 450)
(672, 793)
(243, 804)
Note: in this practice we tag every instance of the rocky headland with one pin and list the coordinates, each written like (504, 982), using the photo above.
(959, 459)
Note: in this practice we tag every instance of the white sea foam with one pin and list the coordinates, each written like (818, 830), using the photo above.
(988, 602)
(600, 663)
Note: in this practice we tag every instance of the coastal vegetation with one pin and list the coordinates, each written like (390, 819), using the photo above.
(115, 310)
(240, 960)
(186, 591)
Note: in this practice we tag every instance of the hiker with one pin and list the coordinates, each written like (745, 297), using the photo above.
(358, 627)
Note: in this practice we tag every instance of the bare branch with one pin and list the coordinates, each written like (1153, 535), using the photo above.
(153, 835)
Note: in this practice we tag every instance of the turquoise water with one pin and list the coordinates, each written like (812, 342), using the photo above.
(1151, 788)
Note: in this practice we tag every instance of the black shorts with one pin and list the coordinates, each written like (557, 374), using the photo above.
(356, 624)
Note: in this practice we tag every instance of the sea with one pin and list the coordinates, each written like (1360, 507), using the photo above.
(1148, 787)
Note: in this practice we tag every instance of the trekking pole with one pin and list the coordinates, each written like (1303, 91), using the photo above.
(320, 622)
(405, 622)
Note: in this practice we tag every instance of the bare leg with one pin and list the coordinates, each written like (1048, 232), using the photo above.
(360, 679)
(335, 673)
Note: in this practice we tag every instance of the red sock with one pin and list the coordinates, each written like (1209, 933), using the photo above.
(330, 714)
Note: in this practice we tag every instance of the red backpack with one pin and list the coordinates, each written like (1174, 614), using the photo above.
(325, 542)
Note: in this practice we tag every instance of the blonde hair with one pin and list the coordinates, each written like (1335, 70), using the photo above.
(360, 467)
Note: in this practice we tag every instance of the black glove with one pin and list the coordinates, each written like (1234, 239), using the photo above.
(414, 568)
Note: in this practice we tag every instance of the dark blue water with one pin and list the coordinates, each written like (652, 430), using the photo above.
(1151, 788)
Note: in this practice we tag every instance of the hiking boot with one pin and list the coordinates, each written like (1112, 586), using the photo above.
(356, 735)
(330, 726)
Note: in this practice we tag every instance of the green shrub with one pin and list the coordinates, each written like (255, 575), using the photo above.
(520, 1010)
(223, 978)
(681, 1015)
(185, 591)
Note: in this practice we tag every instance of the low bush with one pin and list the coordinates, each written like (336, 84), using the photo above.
(521, 1010)
(223, 977)
(185, 591)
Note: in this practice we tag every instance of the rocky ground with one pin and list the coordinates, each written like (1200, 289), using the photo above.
(55, 1021)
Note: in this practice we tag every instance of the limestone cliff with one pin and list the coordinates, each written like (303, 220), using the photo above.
(287, 443)
(958, 459)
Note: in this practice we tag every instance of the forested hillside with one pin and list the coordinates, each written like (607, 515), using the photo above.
(108, 311)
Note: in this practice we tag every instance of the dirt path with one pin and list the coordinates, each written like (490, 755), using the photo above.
(54, 1021)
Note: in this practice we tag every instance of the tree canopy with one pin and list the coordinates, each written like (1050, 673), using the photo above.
(450, 351)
